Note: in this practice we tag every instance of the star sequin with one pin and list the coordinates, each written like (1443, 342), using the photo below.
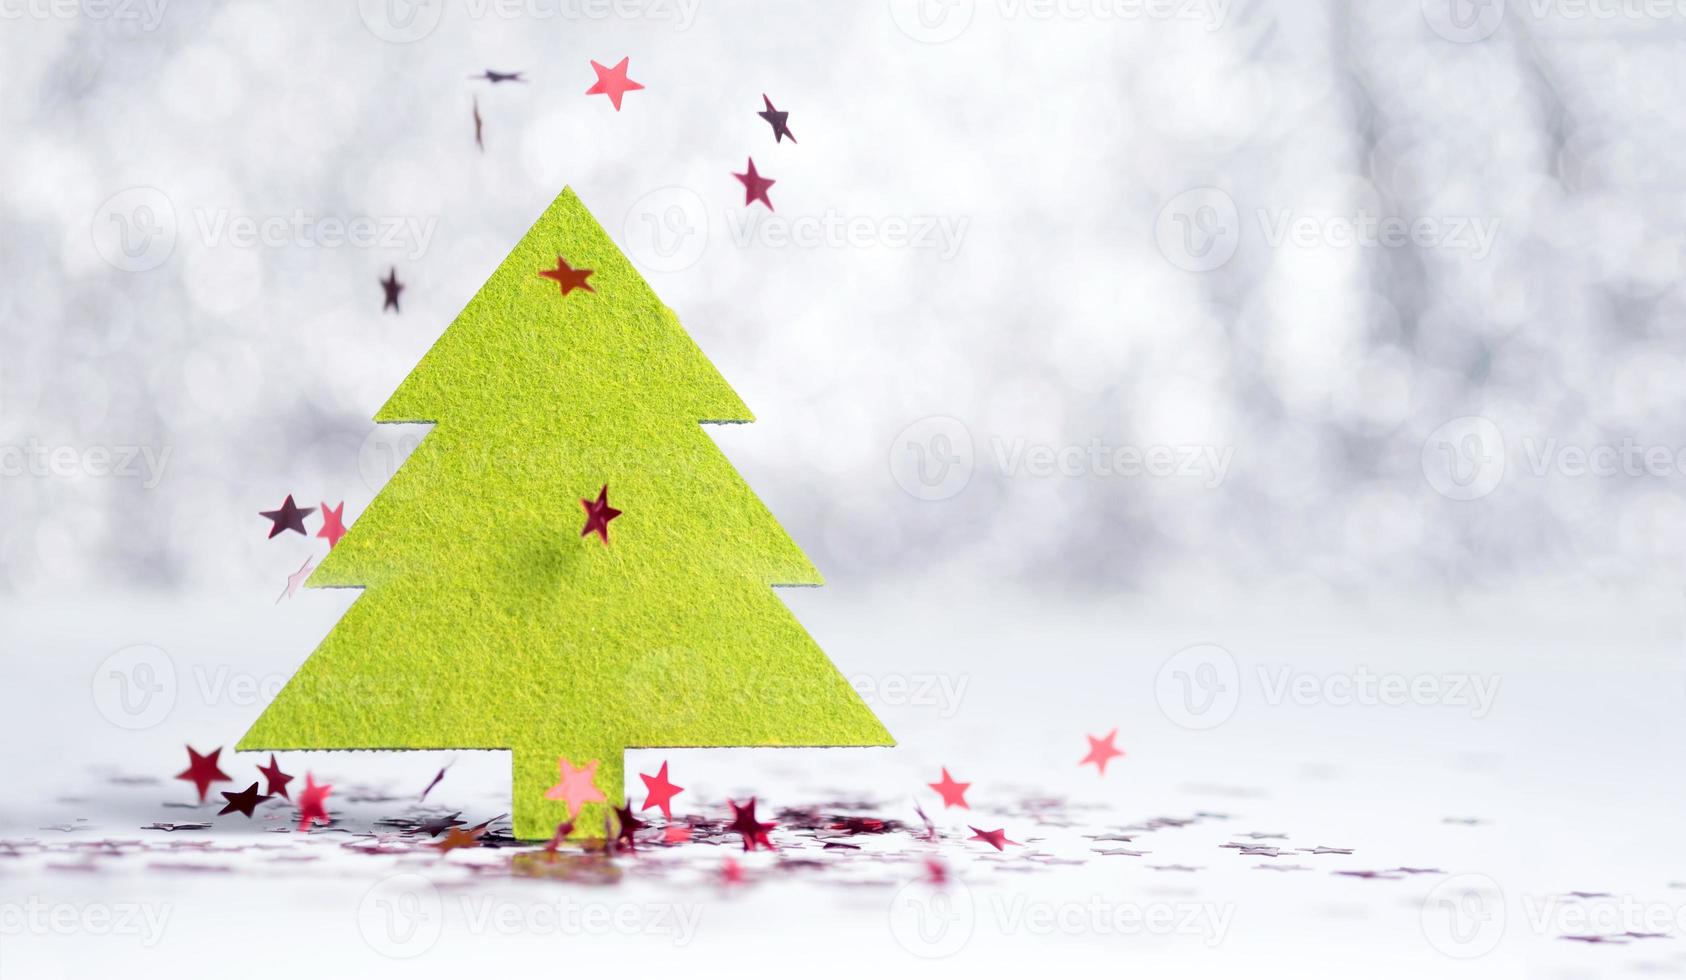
(627, 826)
(1101, 751)
(953, 793)
(202, 771)
(743, 822)
(243, 802)
(598, 514)
(755, 186)
(994, 838)
(391, 287)
(275, 780)
(312, 803)
(776, 119)
(333, 527)
(460, 837)
(613, 82)
(577, 786)
(295, 580)
(289, 517)
(568, 277)
(660, 792)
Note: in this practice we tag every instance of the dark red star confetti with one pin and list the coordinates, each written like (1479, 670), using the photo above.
(554, 845)
(243, 802)
(744, 822)
(994, 838)
(495, 77)
(660, 791)
(392, 287)
(479, 127)
(568, 277)
(434, 826)
(290, 517)
(598, 514)
(311, 803)
(202, 770)
(776, 119)
(628, 825)
(436, 778)
(275, 780)
(755, 186)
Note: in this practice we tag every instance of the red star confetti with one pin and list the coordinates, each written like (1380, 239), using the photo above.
(332, 527)
(294, 581)
(312, 802)
(755, 186)
(276, 780)
(1101, 751)
(661, 792)
(953, 793)
(577, 787)
(598, 514)
(628, 824)
(613, 82)
(289, 517)
(676, 833)
(554, 845)
(568, 277)
(202, 771)
(243, 802)
(731, 872)
(936, 871)
(744, 822)
(994, 838)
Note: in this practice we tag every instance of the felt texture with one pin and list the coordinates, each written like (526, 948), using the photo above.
(488, 622)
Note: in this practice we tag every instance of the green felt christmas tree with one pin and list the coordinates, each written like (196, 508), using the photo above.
(500, 613)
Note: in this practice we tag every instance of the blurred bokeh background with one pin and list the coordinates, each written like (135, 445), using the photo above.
(1360, 296)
